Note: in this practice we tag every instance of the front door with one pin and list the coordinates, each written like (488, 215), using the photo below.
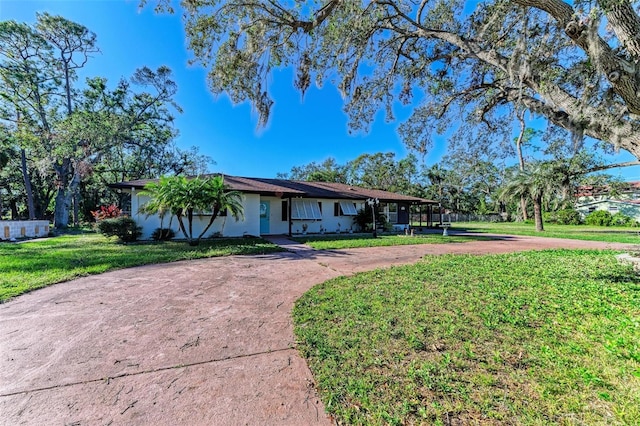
(264, 217)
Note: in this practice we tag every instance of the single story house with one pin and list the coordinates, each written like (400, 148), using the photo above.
(628, 207)
(279, 206)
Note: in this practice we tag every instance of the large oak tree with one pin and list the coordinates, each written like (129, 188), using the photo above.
(577, 64)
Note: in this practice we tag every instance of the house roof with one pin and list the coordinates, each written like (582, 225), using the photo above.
(293, 188)
(593, 190)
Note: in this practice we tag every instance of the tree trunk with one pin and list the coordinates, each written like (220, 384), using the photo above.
(74, 195)
(63, 199)
(523, 207)
(76, 208)
(537, 213)
(523, 127)
(61, 212)
(27, 185)
(13, 204)
(190, 239)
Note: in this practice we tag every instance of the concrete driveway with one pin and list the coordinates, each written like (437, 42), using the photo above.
(204, 342)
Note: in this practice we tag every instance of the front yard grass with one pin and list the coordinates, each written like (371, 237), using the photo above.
(35, 264)
(532, 338)
(345, 241)
(609, 234)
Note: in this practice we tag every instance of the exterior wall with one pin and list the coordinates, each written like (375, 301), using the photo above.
(628, 209)
(226, 225)
(329, 222)
(23, 228)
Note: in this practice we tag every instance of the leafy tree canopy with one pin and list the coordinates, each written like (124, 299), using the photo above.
(377, 171)
(574, 63)
(76, 137)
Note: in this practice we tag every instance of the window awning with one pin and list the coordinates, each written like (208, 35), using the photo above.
(348, 208)
(305, 209)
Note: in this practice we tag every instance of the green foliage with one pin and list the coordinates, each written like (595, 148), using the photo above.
(163, 234)
(125, 228)
(547, 217)
(39, 263)
(452, 61)
(377, 171)
(598, 218)
(620, 219)
(125, 129)
(183, 197)
(327, 171)
(526, 338)
(364, 218)
(539, 180)
(568, 216)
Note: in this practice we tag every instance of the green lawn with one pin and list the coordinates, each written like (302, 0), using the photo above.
(38, 263)
(532, 338)
(575, 232)
(344, 241)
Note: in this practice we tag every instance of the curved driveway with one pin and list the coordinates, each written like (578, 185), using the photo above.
(203, 342)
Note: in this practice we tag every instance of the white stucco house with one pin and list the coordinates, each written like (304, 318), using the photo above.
(629, 208)
(286, 207)
(590, 198)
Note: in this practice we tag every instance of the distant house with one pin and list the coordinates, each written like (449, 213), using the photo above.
(629, 208)
(279, 206)
(626, 199)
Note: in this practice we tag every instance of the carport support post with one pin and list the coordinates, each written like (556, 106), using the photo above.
(372, 202)
(289, 213)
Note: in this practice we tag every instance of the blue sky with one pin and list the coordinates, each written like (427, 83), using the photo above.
(299, 131)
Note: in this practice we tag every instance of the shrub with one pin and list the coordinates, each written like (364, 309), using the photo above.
(124, 228)
(620, 219)
(568, 217)
(598, 218)
(106, 212)
(363, 219)
(550, 217)
(163, 234)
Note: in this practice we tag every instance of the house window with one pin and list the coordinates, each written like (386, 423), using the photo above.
(392, 214)
(613, 208)
(305, 209)
(285, 211)
(344, 208)
(592, 209)
(348, 208)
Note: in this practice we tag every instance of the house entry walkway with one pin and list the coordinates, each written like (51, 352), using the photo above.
(203, 342)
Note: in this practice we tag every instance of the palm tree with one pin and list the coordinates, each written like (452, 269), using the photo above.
(535, 182)
(158, 203)
(184, 197)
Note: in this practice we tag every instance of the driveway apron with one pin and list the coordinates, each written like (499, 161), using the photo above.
(203, 342)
